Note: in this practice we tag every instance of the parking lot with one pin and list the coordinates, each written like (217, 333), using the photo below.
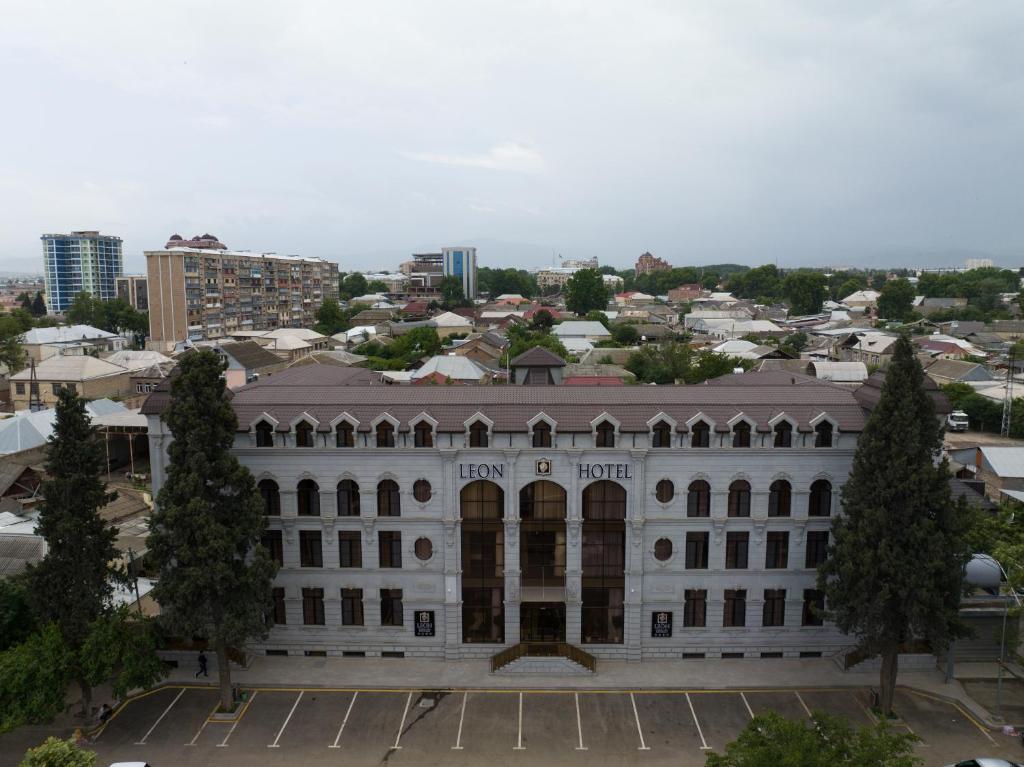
(370, 727)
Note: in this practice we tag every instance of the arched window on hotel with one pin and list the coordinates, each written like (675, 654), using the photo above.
(739, 498)
(271, 497)
(823, 434)
(385, 434)
(741, 434)
(542, 434)
(779, 495)
(344, 435)
(348, 498)
(264, 434)
(423, 435)
(482, 507)
(698, 499)
(605, 434)
(661, 435)
(542, 535)
(819, 503)
(604, 558)
(700, 435)
(304, 434)
(308, 496)
(389, 499)
(478, 436)
(783, 434)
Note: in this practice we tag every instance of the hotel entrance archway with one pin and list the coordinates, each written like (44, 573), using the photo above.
(542, 622)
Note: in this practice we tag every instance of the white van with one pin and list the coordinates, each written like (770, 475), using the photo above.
(957, 421)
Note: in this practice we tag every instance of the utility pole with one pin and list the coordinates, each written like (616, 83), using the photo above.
(1008, 399)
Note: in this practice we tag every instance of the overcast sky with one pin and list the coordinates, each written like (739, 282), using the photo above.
(800, 132)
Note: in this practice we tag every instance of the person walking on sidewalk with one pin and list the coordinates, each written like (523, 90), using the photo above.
(202, 664)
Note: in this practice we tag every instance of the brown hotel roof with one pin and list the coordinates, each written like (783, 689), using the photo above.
(326, 392)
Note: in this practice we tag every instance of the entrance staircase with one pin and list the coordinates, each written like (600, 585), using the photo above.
(543, 658)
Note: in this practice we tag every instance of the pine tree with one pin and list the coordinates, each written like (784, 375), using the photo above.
(214, 577)
(38, 305)
(71, 586)
(895, 568)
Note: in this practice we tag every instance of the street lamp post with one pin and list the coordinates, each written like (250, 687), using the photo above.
(1002, 643)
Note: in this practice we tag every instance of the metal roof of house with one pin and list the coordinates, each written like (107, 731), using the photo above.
(77, 367)
(456, 367)
(27, 430)
(839, 372)
(324, 393)
(580, 329)
(64, 334)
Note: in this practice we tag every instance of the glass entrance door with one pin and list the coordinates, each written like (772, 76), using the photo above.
(542, 622)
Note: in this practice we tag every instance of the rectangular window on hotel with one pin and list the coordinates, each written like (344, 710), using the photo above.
(351, 607)
(313, 607)
(279, 615)
(391, 607)
(695, 608)
(777, 551)
(274, 545)
(817, 548)
(735, 608)
(737, 545)
(390, 546)
(774, 607)
(814, 603)
(350, 548)
(696, 551)
(310, 550)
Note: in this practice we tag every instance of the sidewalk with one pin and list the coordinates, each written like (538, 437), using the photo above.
(706, 674)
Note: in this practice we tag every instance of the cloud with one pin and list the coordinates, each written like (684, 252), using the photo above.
(508, 156)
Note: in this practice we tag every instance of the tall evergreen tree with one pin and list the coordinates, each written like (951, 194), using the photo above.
(71, 586)
(895, 568)
(38, 305)
(214, 576)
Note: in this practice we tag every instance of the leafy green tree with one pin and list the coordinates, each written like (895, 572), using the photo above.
(84, 310)
(598, 316)
(542, 320)
(120, 650)
(805, 292)
(761, 281)
(585, 291)
(626, 335)
(25, 300)
(522, 340)
(896, 301)
(16, 619)
(331, 319)
(796, 341)
(353, 285)
(38, 305)
(709, 364)
(770, 740)
(451, 292)
(34, 679)
(54, 752)
(897, 509)
(11, 352)
(663, 364)
(377, 286)
(214, 577)
(496, 282)
(848, 288)
(71, 586)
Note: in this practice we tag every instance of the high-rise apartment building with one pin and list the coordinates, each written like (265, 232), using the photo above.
(461, 262)
(80, 261)
(209, 292)
(132, 288)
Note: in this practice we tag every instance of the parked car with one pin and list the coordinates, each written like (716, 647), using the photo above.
(985, 761)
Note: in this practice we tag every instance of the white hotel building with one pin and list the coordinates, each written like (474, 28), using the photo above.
(630, 522)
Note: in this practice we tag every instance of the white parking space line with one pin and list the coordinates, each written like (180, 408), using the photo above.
(745, 703)
(160, 718)
(401, 727)
(797, 693)
(579, 723)
(345, 720)
(224, 743)
(643, 746)
(704, 744)
(519, 742)
(286, 720)
(462, 716)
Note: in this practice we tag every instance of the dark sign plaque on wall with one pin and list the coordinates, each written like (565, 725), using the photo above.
(661, 625)
(424, 623)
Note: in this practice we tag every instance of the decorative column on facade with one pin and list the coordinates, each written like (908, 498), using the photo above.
(573, 554)
(450, 516)
(513, 572)
(636, 512)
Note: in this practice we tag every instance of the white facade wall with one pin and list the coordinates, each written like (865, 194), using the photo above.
(650, 585)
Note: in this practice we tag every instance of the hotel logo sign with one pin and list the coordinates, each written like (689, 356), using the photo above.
(543, 467)
(606, 471)
(424, 623)
(661, 625)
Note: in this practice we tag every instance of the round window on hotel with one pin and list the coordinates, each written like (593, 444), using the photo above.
(662, 549)
(424, 549)
(421, 491)
(664, 491)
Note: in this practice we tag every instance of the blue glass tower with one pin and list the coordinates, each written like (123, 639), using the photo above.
(79, 261)
(461, 262)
